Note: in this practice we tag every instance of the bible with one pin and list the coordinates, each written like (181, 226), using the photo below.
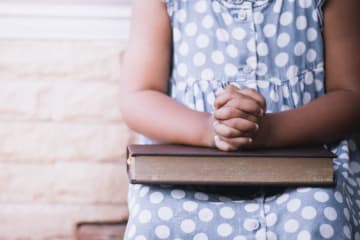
(180, 164)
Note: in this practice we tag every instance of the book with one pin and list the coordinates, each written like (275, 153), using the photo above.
(180, 164)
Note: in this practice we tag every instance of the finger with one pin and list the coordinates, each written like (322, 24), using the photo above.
(241, 125)
(224, 146)
(227, 112)
(255, 95)
(223, 130)
(237, 142)
(246, 104)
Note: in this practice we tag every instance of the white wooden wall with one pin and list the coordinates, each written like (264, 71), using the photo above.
(65, 19)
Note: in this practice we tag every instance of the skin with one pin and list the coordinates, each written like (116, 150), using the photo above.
(239, 120)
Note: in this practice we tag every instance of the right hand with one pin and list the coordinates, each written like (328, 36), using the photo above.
(237, 117)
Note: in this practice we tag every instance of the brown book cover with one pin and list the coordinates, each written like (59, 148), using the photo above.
(180, 164)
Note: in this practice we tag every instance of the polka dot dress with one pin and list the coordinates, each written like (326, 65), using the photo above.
(275, 47)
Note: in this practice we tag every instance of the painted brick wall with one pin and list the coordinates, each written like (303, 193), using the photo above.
(62, 138)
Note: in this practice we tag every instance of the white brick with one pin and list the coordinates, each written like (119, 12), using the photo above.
(60, 60)
(47, 221)
(90, 183)
(64, 183)
(46, 142)
(19, 100)
(74, 100)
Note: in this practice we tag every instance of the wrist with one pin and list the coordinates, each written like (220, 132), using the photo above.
(264, 138)
(208, 131)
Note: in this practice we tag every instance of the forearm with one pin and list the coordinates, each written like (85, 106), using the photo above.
(159, 117)
(327, 119)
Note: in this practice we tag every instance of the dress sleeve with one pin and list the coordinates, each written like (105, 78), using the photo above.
(320, 13)
(170, 6)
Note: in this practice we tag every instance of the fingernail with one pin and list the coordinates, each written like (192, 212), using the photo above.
(250, 140)
(262, 112)
(257, 126)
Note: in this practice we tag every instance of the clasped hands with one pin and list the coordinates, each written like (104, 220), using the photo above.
(237, 117)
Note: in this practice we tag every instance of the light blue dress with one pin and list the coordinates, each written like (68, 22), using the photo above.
(276, 47)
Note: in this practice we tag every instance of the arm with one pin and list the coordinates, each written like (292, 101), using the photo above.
(145, 73)
(336, 114)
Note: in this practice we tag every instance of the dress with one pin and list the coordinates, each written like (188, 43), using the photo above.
(276, 47)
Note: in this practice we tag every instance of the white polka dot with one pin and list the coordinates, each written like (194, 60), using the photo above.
(251, 45)
(177, 194)
(206, 215)
(202, 41)
(299, 49)
(258, 17)
(238, 33)
(251, 224)
(306, 97)
(319, 85)
(262, 49)
(338, 197)
(271, 219)
(208, 22)
(274, 96)
(222, 35)
(216, 7)
(181, 15)
(201, 196)
(301, 22)
(321, 197)
(262, 69)
(232, 51)
(251, 207)
(182, 69)
(136, 210)
(184, 49)
(217, 57)
(295, 97)
(251, 61)
(277, 6)
(224, 230)
(141, 237)
(291, 226)
(283, 198)
(347, 214)
(199, 59)
(260, 234)
(311, 55)
(303, 190)
(311, 34)
(271, 236)
(330, 213)
(292, 72)
(305, 3)
(191, 29)
(200, 236)
(144, 216)
(286, 18)
(304, 235)
(281, 59)
(269, 30)
(293, 205)
(309, 78)
(132, 231)
(207, 74)
(200, 6)
(156, 197)
(227, 18)
(230, 69)
(176, 35)
(308, 213)
(162, 232)
(227, 212)
(187, 226)
(190, 206)
(283, 40)
(347, 232)
(239, 238)
(326, 231)
(144, 191)
(165, 213)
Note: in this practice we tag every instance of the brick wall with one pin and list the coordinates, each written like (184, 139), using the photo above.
(62, 139)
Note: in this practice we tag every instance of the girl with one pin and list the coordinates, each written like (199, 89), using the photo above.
(233, 74)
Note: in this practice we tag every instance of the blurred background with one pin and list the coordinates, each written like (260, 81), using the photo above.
(62, 139)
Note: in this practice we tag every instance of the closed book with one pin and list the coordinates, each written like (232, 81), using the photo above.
(180, 164)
